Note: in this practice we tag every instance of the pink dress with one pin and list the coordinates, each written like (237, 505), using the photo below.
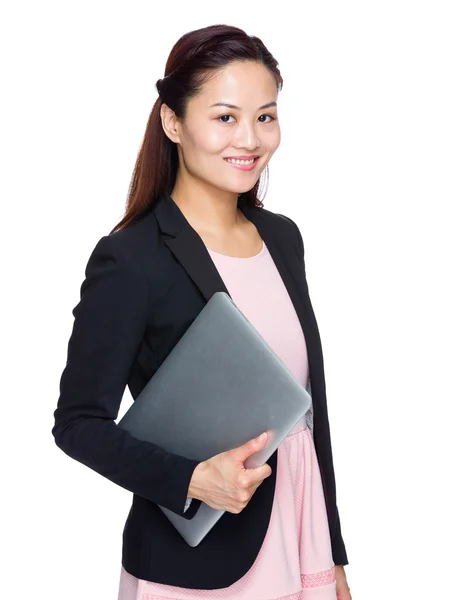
(295, 560)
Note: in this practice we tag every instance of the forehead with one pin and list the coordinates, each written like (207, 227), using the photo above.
(248, 85)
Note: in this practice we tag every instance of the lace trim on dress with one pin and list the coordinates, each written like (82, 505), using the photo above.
(312, 580)
(317, 579)
(297, 596)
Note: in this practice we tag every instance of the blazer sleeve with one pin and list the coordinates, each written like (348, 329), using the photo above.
(109, 325)
(322, 443)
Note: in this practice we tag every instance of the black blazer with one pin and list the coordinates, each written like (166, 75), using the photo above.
(144, 286)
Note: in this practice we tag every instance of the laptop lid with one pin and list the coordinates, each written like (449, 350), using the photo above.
(220, 386)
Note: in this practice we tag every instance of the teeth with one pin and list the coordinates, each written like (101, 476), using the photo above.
(240, 162)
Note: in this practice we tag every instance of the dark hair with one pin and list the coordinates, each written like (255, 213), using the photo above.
(195, 57)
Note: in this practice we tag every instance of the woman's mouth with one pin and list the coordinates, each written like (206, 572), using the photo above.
(242, 165)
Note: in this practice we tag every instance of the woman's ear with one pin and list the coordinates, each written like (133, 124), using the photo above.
(170, 123)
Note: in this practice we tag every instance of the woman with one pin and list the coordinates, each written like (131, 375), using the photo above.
(194, 225)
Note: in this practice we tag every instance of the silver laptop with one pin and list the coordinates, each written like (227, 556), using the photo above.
(220, 386)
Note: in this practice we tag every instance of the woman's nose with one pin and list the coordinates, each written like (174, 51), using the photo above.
(247, 136)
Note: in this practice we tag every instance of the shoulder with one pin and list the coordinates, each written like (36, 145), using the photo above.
(278, 220)
(284, 227)
(131, 244)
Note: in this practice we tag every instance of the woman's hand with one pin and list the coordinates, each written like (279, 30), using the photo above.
(342, 589)
(224, 483)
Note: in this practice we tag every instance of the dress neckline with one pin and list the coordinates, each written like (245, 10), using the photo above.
(242, 258)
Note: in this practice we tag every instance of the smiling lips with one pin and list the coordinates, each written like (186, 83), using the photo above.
(242, 162)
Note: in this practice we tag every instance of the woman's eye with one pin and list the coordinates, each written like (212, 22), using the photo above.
(225, 116)
(222, 116)
(271, 118)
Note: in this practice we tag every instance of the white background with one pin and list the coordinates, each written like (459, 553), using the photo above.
(370, 167)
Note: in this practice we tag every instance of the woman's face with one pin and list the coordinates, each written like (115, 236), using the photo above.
(210, 134)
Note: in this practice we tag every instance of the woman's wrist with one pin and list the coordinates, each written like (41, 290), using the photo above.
(195, 487)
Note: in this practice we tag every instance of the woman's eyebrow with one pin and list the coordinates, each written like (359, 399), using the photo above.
(268, 105)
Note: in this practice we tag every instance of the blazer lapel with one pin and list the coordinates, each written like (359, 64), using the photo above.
(288, 274)
(189, 249)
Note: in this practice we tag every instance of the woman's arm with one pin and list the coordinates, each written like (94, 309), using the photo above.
(322, 439)
(109, 326)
